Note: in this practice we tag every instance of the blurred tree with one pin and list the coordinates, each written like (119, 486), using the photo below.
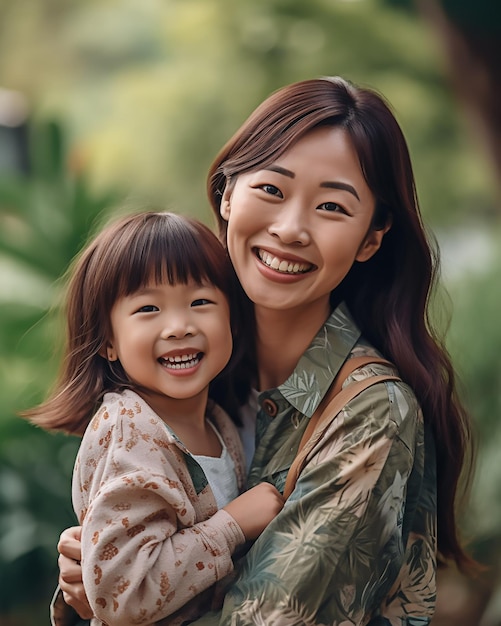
(151, 95)
(470, 33)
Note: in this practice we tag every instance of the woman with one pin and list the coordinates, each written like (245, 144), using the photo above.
(316, 202)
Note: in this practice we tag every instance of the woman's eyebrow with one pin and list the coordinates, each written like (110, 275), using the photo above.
(280, 170)
(334, 184)
(327, 184)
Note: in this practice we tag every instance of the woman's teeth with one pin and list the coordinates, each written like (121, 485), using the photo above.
(280, 265)
(181, 362)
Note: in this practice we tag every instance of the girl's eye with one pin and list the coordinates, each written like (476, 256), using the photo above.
(148, 308)
(200, 302)
(272, 190)
(332, 207)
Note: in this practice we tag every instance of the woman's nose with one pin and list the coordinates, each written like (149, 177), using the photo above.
(290, 226)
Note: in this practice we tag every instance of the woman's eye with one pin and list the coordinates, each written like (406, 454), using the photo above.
(147, 308)
(272, 190)
(332, 207)
(200, 302)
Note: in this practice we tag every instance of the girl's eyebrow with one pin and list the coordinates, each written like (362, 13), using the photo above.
(144, 291)
(334, 184)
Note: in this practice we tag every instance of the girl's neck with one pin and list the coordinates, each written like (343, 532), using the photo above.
(172, 410)
(281, 339)
(187, 418)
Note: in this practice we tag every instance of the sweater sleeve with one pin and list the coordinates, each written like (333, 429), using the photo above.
(147, 547)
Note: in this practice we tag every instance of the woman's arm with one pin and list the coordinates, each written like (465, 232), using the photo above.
(70, 572)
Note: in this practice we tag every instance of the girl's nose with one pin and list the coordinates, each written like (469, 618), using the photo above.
(177, 326)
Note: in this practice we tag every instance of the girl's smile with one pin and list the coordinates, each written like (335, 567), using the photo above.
(172, 340)
(181, 363)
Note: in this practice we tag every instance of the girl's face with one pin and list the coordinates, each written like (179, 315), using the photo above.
(296, 227)
(172, 340)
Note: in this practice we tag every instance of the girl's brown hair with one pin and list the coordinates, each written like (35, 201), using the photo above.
(123, 257)
(388, 295)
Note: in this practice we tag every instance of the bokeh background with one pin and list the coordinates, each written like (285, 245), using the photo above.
(113, 103)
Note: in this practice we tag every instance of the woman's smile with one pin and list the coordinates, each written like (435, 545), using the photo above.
(282, 265)
(296, 227)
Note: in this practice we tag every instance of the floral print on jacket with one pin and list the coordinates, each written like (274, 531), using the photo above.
(153, 540)
(356, 541)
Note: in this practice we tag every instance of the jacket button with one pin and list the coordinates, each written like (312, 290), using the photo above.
(270, 407)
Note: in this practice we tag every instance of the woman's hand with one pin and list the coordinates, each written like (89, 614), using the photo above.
(254, 509)
(70, 571)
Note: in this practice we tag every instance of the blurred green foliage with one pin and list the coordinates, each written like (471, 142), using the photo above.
(148, 92)
(45, 217)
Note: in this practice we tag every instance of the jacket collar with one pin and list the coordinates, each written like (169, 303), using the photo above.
(318, 366)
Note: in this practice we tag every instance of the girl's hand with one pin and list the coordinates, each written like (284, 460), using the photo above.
(70, 571)
(254, 509)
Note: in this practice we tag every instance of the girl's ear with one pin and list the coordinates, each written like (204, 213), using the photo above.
(224, 208)
(372, 243)
(111, 354)
(108, 352)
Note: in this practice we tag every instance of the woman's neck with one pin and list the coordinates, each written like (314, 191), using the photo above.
(281, 339)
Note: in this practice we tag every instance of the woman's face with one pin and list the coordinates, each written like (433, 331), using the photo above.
(296, 227)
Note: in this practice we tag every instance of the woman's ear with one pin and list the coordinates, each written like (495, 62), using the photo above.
(224, 208)
(372, 242)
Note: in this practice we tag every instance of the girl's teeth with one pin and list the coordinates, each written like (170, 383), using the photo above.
(180, 358)
(181, 362)
(283, 266)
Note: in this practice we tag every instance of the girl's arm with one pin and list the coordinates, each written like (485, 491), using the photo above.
(150, 544)
(253, 510)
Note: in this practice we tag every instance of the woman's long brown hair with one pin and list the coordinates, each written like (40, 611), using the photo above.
(389, 295)
(123, 257)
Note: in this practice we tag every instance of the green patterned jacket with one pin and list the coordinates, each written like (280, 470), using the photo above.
(356, 541)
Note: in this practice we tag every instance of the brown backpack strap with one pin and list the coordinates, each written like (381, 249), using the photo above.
(334, 401)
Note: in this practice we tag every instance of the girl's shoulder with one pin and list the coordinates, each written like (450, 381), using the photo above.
(126, 402)
(124, 409)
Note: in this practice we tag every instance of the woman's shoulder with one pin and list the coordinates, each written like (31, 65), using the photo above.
(371, 363)
(389, 395)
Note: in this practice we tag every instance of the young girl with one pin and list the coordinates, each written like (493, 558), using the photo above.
(160, 466)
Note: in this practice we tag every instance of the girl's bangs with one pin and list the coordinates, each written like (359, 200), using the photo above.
(175, 251)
